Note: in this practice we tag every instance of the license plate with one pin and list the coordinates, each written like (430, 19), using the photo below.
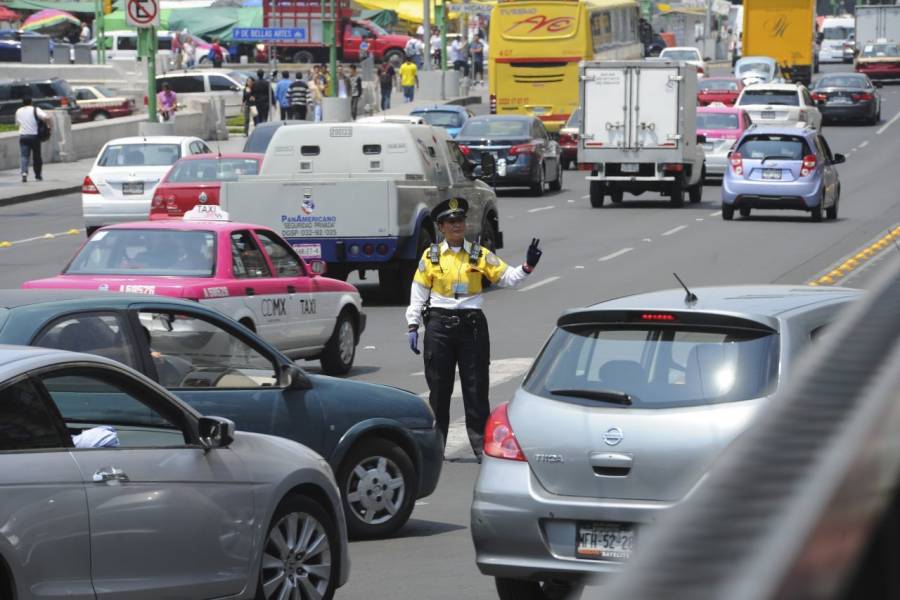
(839, 100)
(771, 173)
(133, 188)
(630, 167)
(309, 250)
(604, 541)
(767, 114)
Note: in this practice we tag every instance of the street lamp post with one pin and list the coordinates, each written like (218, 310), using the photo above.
(426, 34)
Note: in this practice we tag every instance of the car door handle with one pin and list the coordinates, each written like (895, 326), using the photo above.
(110, 474)
(611, 464)
(291, 289)
(249, 291)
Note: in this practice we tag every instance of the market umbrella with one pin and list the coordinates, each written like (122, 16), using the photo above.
(50, 19)
(8, 15)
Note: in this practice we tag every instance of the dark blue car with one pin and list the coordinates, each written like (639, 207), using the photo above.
(380, 441)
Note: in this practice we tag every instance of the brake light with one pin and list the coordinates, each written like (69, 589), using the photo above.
(809, 165)
(819, 97)
(862, 97)
(737, 163)
(499, 439)
(88, 187)
(493, 104)
(464, 149)
(672, 167)
(658, 317)
(156, 202)
(521, 149)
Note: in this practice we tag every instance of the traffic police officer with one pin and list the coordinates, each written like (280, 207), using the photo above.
(448, 286)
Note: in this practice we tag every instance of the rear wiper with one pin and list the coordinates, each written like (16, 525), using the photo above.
(610, 396)
(776, 157)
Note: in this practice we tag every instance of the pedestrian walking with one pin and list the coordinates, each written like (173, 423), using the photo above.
(248, 105)
(281, 95)
(262, 97)
(189, 52)
(34, 127)
(343, 83)
(299, 97)
(364, 48)
(409, 79)
(476, 50)
(316, 94)
(436, 50)
(386, 77)
(85, 33)
(216, 53)
(356, 90)
(456, 56)
(446, 296)
(166, 104)
(413, 50)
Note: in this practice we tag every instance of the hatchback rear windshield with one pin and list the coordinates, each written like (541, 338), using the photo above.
(774, 97)
(655, 367)
(146, 252)
(496, 128)
(784, 147)
(718, 121)
(441, 118)
(758, 67)
(222, 169)
(679, 55)
(837, 33)
(139, 155)
(717, 85)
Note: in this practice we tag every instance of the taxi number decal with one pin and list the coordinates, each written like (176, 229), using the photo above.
(308, 307)
(274, 307)
(138, 289)
(215, 292)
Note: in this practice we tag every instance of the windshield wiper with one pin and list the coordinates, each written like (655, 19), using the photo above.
(776, 157)
(610, 396)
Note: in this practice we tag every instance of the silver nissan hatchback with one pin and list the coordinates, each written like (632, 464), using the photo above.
(622, 413)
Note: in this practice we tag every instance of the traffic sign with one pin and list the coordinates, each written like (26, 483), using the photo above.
(142, 13)
(270, 34)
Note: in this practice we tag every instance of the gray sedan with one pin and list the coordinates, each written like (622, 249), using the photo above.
(626, 407)
(110, 485)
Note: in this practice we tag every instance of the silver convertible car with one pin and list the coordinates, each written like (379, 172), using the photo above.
(111, 487)
(622, 413)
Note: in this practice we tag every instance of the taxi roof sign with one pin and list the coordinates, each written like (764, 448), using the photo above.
(204, 212)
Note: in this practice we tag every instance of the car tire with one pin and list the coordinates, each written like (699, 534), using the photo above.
(522, 589)
(676, 194)
(557, 184)
(815, 214)
(537, 187)
(100, 116)
(695, 193)
(727, 212)
(394, 56)
(294, 513)
(395, 284)
(616, 196)
(383, 464)
(597, 195)
(340, 350)
(303, 57)
(745, 211)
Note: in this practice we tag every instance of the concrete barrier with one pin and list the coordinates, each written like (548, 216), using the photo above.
(336, 110)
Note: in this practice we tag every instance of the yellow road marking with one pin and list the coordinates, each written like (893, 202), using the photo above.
(858, 259)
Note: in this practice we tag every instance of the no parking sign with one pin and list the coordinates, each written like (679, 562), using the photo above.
(142, 13)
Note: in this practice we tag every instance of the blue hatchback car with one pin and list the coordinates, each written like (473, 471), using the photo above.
(782, 168)
(448, 116)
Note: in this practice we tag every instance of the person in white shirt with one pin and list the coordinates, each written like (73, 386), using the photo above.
(455, 54)
(29, 142)
(436, 50)
(85, 33)
(188, 51)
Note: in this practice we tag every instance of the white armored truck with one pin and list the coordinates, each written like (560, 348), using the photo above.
(639, 130)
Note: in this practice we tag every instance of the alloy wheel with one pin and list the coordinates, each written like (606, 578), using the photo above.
(297, 559)
(346, 342)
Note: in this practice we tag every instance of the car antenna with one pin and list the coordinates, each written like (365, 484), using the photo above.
(690, 297)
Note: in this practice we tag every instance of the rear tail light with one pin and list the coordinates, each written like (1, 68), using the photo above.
(499, 439)
(657, 317)
(156, 202)
(493, 104)
(809, 165)
(737, 163)
(862, 97)
(465, 150)
(521, 149)
(672, 167)
(88, 187)
(819, 97)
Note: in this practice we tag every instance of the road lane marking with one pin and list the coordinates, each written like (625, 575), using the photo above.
(540, 208)
(864, 144)
(857, 260)
(674, 230)
(534, 286)
(585, 197)
(615, 254)
(46, 236)
(888, 124)
(715, 214)
(698, 219)
(578, 267)
(570, 201)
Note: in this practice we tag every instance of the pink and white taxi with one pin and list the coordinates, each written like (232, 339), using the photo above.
(722, 126)
(248, 272)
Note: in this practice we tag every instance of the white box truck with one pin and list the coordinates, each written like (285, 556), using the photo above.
(359, 196)
(639, 131)
(874, 22)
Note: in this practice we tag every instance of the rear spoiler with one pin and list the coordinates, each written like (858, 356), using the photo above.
(664, 318)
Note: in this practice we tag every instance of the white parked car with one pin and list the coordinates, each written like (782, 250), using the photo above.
(780, 104)
(226, 83)
(120, 185)
(687, 54)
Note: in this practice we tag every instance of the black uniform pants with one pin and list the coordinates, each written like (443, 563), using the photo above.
(459, 338)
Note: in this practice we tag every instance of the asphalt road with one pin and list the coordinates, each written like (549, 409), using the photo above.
(589, 254)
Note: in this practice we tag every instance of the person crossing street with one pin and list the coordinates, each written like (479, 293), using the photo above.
(446, 296)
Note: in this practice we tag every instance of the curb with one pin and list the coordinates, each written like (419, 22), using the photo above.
(39, 195)
(464, 101)
(857, 260)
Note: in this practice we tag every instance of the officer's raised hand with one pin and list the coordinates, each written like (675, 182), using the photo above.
(413, 337)
(534, 253)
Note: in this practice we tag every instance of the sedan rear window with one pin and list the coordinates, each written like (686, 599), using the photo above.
(212, 169)
(139, 155)
(880, 50)
(718, 85)
(151, 252)
(718, 121)
(680, 55)
(655, 367)
(785, 147)
(441, 118)
(774, 97)
(496, 128)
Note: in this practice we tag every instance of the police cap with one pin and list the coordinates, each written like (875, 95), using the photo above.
(452, 207)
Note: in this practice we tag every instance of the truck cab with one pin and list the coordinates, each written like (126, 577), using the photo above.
(383, 46)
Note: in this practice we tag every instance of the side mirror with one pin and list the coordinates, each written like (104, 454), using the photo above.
(701, 139)
(317, 267)
(468, 169)
(838, 159)
(488, 165)
(215, 432)
(295, 378)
